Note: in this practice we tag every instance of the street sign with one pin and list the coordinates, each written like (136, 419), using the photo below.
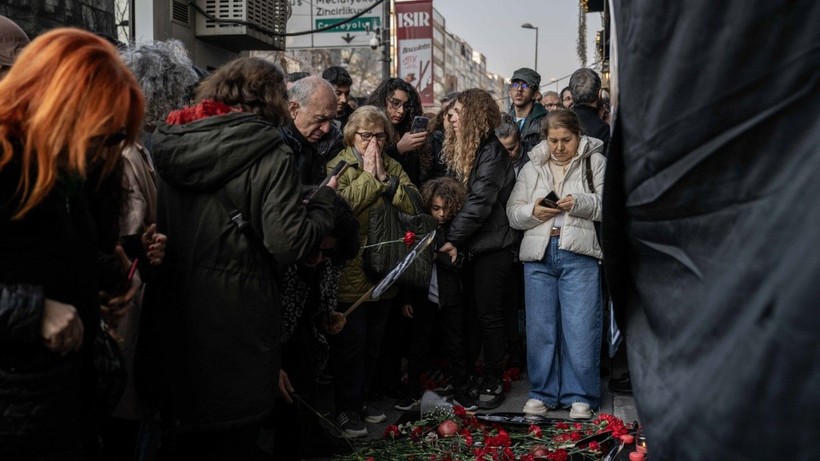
(316, 14)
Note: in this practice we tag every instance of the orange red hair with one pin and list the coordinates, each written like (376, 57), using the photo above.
(65, 104)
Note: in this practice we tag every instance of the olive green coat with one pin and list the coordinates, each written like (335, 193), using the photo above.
(363, 191)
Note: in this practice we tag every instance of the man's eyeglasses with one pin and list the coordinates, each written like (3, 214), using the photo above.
(367, 136)
(398, 103)
(520, 86)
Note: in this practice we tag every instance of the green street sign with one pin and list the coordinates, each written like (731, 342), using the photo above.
(356, 25)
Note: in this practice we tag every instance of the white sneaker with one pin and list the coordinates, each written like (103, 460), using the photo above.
(580, 410)
(535, 407)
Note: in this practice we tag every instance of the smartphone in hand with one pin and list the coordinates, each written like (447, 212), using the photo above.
(419, 124)
(337, 171)
(550, 201)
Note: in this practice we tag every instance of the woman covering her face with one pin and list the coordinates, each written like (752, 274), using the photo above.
(372, 178)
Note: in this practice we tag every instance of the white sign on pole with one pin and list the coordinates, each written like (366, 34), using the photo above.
(316, 14)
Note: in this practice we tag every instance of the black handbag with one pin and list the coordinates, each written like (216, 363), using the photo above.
(387, 224)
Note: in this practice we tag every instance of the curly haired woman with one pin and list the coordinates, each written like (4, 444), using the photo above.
(480, 230)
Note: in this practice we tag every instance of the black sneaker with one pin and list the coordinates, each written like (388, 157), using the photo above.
(373, 415)
(406, 403)
(463, 398)
(351, 425)
(491, 395)
(446, 391)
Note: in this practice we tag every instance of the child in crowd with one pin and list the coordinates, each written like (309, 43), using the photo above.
(442, 197)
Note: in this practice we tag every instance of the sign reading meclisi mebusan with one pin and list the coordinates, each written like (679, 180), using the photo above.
(317, 14)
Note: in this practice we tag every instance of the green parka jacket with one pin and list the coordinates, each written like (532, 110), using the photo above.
(362, 191)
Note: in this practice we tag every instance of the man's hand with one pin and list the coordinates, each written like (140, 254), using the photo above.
(407, 311)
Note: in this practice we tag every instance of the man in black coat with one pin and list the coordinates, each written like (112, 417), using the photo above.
(311, 133)
(585, 85)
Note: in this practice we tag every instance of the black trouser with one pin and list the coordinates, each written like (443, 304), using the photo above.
(355, 351)
(450, 322)
(225, 445)
(485, 278)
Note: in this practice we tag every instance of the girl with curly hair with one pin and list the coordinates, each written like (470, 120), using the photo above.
(480, 230)
(442, 198)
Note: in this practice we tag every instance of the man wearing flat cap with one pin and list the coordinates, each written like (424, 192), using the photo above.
(526, 111)
(12, 41)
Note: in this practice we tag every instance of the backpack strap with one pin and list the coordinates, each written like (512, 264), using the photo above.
(588, 163)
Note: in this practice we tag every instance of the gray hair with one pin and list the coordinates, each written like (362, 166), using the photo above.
(507, 129)
(585, 85)
(303, 90)
(165, 73)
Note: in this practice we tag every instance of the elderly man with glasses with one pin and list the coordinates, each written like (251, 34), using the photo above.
(526, 111)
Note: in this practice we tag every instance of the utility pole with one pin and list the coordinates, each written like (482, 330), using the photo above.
(386, 40)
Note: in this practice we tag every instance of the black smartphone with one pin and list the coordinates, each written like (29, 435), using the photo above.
(419, 124)
(550, 201)
(337, 171)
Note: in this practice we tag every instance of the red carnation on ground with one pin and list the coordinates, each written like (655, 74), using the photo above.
(392, 431)
(535, 430)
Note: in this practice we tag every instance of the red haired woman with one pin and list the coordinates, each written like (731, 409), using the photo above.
(65, 108)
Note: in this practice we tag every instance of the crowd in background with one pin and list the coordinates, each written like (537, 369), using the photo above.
(194, 219)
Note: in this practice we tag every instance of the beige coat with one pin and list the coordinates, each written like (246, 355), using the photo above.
(535, 182)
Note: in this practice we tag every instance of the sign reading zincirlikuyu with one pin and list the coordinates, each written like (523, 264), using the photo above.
(316, 14)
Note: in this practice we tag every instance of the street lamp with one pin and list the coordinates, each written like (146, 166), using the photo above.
(527, 25)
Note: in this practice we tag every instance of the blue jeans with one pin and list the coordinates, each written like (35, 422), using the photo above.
(563, 301)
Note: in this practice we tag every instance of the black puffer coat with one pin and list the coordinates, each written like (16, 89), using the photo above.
(211, 330)
(50, 253)
(481, 225)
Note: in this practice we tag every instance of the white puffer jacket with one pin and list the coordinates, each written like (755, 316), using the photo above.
(535, 182)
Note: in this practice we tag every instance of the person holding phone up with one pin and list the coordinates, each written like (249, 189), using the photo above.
(552, 201)
(401, 103)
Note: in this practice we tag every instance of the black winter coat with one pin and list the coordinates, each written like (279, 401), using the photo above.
(481, 225)
(50, 253)
(592, 125)
(211, 328)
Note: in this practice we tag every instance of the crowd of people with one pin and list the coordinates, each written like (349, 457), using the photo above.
(197, 221)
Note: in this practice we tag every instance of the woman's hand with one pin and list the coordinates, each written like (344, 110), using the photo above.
(335, 322)
(543, 213)
(566, 203)
(153, 243)
(369, 158)
(62, 329)
(381, 173)
(115, 308)
(451, 251)
(285, 387)
(411, 141)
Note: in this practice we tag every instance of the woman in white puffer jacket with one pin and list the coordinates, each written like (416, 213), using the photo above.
(561, 258)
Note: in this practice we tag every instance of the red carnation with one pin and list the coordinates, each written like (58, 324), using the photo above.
(409, 238)
(392, 431)
(535, 430)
